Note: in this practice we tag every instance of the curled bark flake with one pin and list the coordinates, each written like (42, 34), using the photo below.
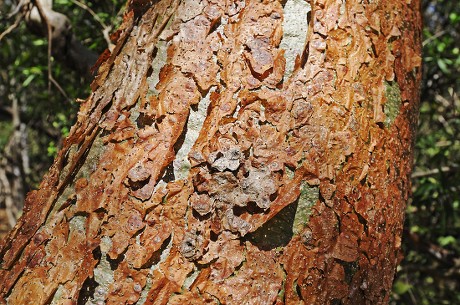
(323, 225)
(235, 223)
(275, 107)
(346, 248)
(141, 179)
(134, 222)
(130, 221)
(259, 185)
(260, 145)
(288, 193)
(192, 299)
(190, 9)
(127, 286)
(191, 246)
(327, 190)
(196, 56)
(257, 282)
(301, 111)
(176, 268)
(230, 159)
(36, 289)
(228, 254)
(201, 203)
(260, 57)
(138, 173)
(336, 276)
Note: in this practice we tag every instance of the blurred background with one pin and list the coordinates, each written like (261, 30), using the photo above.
(38, 106)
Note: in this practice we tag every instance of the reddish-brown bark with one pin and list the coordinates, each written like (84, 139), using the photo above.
(297, 186)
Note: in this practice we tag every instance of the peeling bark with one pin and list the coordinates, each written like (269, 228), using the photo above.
(203, 171)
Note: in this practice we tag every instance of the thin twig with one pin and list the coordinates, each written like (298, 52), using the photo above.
(435, 36)
(89, 10)
(55, 83)
(105, 29)
(18, 7)
(435, 171)
(12, 27)
(50, 37)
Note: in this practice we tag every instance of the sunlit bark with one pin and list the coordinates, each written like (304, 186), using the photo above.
(246, 152)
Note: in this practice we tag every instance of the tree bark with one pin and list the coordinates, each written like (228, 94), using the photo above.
(245, 152)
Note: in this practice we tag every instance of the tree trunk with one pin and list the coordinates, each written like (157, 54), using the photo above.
(244, 152)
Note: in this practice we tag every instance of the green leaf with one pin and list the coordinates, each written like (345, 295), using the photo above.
(28, 80)
(442, 65)
(441, 47)
(414, 229)
(401, 287)
(39, 42)
(52, 149)
(63, 2)
(446, 240)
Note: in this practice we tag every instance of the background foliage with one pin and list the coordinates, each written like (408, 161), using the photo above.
(47, 112)
(429, 272)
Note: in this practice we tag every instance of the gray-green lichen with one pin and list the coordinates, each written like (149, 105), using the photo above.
(96, 149)
(295, 28)
(195, 121)
(157, 63)
(164, 254)
(92, 159)
(57, 295)
(89, 165)
(103, 274)
(289, 172)
(393, 103)
(308, 197)
(77, 223)
(191, 278)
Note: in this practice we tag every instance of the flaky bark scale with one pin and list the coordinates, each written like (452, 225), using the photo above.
(295, 184)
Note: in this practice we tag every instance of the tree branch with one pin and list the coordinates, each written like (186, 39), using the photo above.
(66, 48)
(11, 27)
(435, 171)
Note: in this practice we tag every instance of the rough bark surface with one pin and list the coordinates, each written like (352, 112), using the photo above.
(293, 191)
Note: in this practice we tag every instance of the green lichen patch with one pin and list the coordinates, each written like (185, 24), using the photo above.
(295, 28)
(308, 197)
(90, 163)
(57, 295)
(77, 223)
(95, 152)
(103, 273)
(157, 63)
(181, 163)
(391, 108)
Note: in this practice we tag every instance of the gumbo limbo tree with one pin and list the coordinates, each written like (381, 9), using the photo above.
(231, 152)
